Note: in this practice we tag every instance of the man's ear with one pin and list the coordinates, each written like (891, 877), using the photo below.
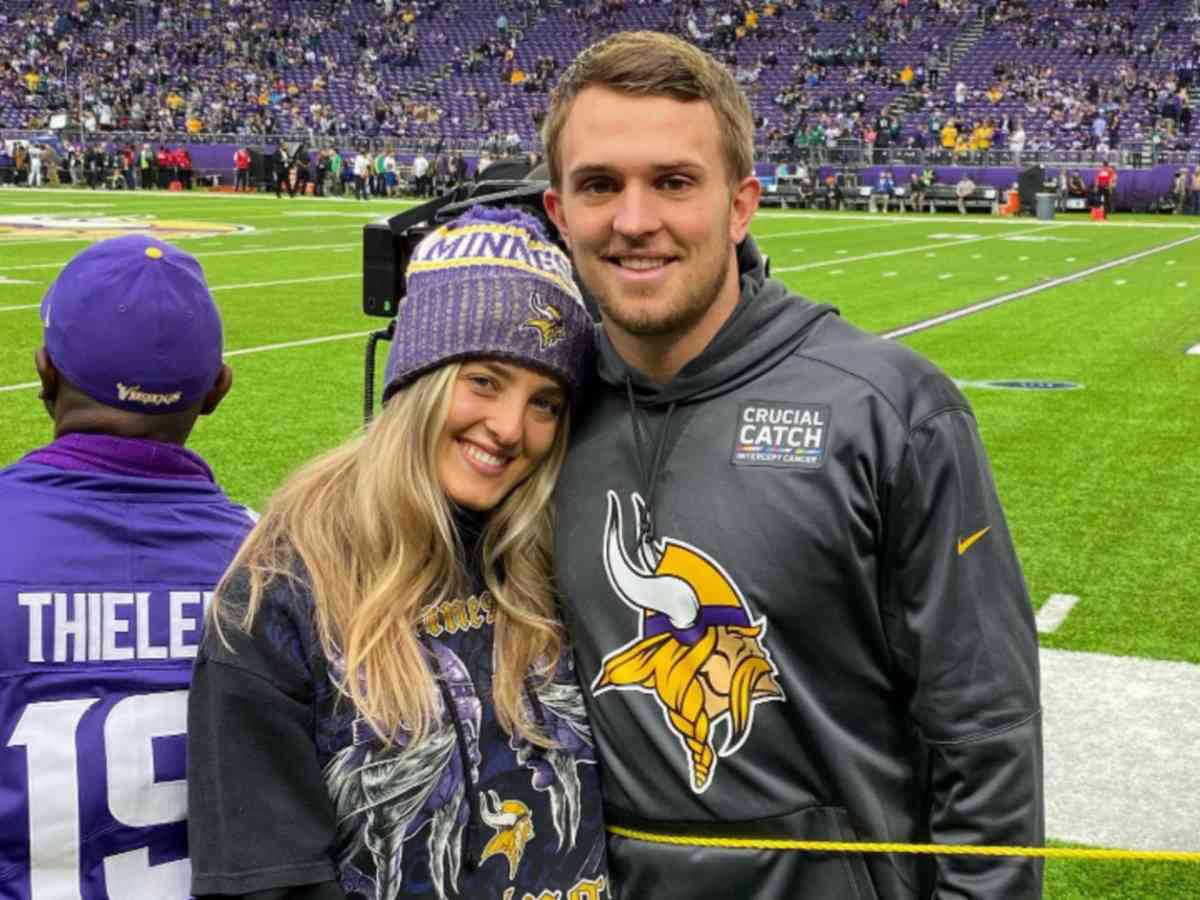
(48, 376)
(552, 201)
(214, 397)
(745, 204)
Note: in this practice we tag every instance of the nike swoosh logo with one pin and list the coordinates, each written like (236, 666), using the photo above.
(965, 544)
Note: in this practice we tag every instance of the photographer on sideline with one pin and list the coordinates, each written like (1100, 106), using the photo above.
(788, 578)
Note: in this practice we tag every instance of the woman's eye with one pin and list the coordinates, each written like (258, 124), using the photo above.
(547, 406)
(483, 382)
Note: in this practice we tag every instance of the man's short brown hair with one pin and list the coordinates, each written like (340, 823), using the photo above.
(649, 64)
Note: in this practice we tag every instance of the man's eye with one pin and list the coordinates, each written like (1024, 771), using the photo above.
(675, 184)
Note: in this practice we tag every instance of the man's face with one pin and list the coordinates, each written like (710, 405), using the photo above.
(648, 210)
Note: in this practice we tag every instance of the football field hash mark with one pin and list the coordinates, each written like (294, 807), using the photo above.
(1054, 612)
(890, 274)
(951, 316)
(944, 276)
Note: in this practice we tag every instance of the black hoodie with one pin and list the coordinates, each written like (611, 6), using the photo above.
(822, 633)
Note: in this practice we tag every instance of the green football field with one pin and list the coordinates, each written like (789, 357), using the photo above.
(1070, 338)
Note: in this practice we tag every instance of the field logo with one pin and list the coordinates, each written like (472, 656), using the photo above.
(1022, 384)
(99, 228)
(699, 652)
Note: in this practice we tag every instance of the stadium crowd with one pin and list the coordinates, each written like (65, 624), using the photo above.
(822, 74)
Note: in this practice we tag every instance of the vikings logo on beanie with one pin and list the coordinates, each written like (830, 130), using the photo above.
(491, 284)
(131, 323)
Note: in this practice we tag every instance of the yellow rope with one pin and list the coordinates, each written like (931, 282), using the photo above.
(939, 849)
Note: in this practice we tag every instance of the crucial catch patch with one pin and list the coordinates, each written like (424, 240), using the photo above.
(781, 434)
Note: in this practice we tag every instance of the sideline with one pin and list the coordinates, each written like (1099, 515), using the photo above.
(1029, 291)
(1122, 750)
(901, 252)
(1007, 221)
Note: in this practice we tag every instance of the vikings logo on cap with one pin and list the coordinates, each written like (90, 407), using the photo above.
(546, 321)
(699, 651)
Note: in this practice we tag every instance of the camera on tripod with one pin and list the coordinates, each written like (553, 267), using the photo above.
(388, 244)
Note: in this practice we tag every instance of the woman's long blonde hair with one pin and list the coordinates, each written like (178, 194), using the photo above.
(373, 534)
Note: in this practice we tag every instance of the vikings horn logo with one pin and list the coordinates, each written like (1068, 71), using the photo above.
(514, 829)
(699, 652)
(546, 321)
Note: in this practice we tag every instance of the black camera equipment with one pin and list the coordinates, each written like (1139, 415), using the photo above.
(388, 245)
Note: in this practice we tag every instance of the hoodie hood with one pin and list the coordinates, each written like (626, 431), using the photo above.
(767, 324)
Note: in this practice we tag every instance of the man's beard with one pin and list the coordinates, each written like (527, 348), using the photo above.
(679, 317)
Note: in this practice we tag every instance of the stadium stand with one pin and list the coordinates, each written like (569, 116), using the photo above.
(844, 82)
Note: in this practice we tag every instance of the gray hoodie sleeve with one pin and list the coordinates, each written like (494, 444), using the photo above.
(963, 636)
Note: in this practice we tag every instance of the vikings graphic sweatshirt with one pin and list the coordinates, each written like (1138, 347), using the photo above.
(294, 797)
(798, 615)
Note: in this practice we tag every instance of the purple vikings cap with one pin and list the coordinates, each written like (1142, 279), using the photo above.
(130, 322)
(490, 283)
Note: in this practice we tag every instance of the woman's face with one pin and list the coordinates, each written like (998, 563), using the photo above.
(502, 422)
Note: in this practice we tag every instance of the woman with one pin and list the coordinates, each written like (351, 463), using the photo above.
(382, 706)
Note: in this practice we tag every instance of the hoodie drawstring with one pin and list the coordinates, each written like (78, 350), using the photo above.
(471, 832)
(649, 476)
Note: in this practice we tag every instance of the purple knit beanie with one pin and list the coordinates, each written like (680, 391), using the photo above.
(491, 284)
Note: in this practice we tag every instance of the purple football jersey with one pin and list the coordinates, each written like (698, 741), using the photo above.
(104, 579)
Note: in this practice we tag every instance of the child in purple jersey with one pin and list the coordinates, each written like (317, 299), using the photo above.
(384, 706)
(112, 540)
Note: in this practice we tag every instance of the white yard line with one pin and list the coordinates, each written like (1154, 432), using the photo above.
(1122, 750)
(906, 250)
(1034, 289)
(973, 220)
(788, 234)
(259, 284)
(304, 343)
(257, 232)
(264, 348)
(208, 254)
(234, 287)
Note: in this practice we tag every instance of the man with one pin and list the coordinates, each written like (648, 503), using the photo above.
(114, 537)
(241, 169)
(420, 174)
(789, 580)
(1106, 183)
(362, 170)
(916, 190)
(963, 191)
(36, 155)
